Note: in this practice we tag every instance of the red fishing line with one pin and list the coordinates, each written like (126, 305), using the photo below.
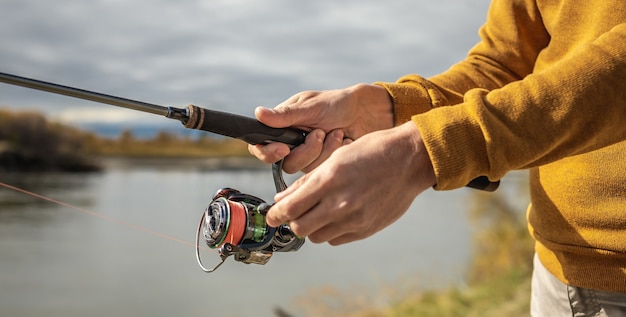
(238, 221)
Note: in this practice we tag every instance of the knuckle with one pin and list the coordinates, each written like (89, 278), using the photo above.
(272, 219)
(307, 94)
(356, 215)
(289, 167)
(297, 228)
(278, 214)
(286, 211)
(360, 221)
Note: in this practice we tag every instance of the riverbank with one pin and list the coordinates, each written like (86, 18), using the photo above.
(13, 159)
(29, 142)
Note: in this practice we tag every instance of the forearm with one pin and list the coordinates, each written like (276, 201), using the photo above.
(506, 53)
(511, 40)
(575, 106)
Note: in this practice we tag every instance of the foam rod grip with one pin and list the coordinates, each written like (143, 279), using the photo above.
(244, 128)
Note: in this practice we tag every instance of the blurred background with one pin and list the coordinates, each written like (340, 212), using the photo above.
(148, 171)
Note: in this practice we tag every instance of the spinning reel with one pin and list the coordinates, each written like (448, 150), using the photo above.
(234, 224)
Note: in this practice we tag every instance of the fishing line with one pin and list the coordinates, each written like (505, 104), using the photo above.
(239, 223)
(99, 215)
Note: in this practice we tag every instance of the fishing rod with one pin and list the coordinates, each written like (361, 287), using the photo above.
(234, 223)
(192, 117)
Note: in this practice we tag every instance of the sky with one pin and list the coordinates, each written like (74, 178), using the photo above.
(227, 55)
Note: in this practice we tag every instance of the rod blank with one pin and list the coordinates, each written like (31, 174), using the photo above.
(83, 94)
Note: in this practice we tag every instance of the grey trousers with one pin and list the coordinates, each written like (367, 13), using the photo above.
(552, 298)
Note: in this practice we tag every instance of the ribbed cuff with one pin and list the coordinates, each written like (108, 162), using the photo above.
(455, 143)
(412, 95)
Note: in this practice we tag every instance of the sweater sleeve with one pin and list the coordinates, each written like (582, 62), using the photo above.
(506, 114)
(576, 105)
(500, 58)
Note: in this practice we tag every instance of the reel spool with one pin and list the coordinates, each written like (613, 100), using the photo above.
(233, 217)
(234, 224)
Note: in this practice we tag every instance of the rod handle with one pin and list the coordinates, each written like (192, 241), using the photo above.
(240, 127)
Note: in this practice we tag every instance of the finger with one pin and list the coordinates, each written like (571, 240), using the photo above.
(320, 230)
(337, 233)
(269, 153)
(294, 201)
(291, 112)
(304, 154)
(288, 115)
(312, 221)
(333, 141)
(332, 217)
(286, 211)
(334, 231)
(347, 238)
(270, 118)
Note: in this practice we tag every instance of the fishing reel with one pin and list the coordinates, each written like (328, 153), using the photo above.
(234, 224)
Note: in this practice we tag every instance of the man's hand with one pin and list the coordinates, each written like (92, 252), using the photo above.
(362, 188)
(333, 117)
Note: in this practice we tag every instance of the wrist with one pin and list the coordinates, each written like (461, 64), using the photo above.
(377, 102)
(422, 167)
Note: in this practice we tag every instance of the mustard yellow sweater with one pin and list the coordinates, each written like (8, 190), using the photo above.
(544, 90)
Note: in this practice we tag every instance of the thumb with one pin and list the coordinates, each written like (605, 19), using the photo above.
(281, 117)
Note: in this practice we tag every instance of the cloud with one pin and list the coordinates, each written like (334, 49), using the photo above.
(225, 54)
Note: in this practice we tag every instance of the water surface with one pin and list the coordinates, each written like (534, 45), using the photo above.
(56, 261)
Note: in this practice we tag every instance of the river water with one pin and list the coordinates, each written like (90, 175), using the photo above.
(58, 261)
